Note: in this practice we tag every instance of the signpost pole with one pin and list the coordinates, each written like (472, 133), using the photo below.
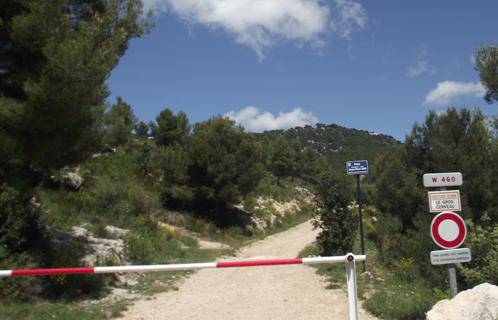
(358, 190)
(453, 280)
(451, 269)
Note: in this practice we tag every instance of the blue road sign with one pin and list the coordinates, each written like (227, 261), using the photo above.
(357, 167)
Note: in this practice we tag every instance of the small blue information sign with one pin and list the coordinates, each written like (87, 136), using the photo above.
(357, 167)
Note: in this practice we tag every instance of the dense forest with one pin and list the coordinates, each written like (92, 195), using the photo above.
(56, 122)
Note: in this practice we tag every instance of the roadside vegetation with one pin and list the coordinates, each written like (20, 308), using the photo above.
(70, 158)
(400, 282)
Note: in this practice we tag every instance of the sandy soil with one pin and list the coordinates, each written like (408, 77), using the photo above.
(282, 292)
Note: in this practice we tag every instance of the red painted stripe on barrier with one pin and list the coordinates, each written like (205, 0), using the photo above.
(256, 263)
(48, 272)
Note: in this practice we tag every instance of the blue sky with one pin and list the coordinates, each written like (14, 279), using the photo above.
(376, 65)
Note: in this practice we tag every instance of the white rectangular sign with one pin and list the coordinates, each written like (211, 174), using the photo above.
(450, 256)
(440, 201)
(449, 179)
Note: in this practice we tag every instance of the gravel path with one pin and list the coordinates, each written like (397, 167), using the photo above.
(282, 292)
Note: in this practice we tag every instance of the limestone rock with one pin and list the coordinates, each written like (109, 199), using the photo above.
(479, 303)
(70, 178)
(115, 232)
(95, 250)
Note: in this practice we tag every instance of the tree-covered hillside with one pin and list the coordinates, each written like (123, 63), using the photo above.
(337, 143)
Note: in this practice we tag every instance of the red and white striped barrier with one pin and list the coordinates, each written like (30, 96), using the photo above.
(174, 267)
(349, 259)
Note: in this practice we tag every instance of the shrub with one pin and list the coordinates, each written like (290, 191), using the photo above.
(483, 242)
(401, 300)
(336, 220)
(147, 245)
(73, 286)
(19, 225)
(22, 288)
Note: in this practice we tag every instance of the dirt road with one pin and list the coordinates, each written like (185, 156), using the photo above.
(282, 292)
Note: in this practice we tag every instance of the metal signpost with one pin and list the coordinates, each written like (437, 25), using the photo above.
(358, 168)
(448, 229)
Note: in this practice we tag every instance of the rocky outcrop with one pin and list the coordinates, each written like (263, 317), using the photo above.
(479, 303)
(71, 179)
(94, 251)
(115, 232)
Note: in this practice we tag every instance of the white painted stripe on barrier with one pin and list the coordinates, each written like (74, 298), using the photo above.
(159, 267)
(360, 257)
(317, 260)
(339, 259)
(5, 273)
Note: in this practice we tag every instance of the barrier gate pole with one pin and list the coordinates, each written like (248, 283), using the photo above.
(352, 289)
(349, 259)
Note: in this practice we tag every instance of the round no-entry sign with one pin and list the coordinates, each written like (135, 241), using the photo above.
(448, 230)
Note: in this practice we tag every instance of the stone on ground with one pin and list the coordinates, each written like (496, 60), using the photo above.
(478, 303)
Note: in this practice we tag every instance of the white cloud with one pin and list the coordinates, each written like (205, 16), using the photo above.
(447, 91)
(349, 16)
(260, 23)
(255, 120)
(422, 66)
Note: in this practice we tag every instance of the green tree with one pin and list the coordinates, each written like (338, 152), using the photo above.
(225, 163)
(487, 65)
(456, 140)
(296, 158)
(175, 188)
(55, 57)
(309, 166)
(142, 130)
(119, 122)
(336, 220)
(281, 160)
(170, 129)
(399, 192)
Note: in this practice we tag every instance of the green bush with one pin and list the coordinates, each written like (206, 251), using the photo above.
(483, 242)
(407, 301)
(19, 225)
(147, 246)
(337, 221)
(73, 286)
(21, 288)
(395, 248)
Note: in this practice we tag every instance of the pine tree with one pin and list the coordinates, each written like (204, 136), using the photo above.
(225, 163)
(170, 129)
(336, 220)
(281, 159)
(55, 57)
(119, 122)
(487, 65)
(142, 130)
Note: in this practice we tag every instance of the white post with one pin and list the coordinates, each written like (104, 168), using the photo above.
(352, 290)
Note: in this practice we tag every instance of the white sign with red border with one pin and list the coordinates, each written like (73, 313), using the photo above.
(450, 179)
(448, 230)
(440, 201)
